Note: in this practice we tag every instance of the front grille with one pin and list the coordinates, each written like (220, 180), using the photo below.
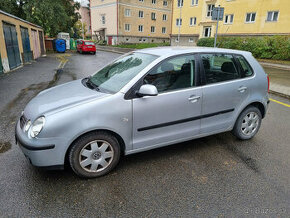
(23, 120)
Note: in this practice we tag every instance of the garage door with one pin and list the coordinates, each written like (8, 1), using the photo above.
(27, 53)
(36, 49)
(12, 48)
(41, 42)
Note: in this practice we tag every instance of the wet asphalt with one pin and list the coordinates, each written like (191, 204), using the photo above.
(216, 176)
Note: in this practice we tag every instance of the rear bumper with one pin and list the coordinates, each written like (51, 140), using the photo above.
(89, 50)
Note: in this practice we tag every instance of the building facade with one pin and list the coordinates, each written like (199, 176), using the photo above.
(20, 40)
(241, 18)
(85, 13)
(131, 21)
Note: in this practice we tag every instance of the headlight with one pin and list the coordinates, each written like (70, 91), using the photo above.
(37, 126)
(27, 125)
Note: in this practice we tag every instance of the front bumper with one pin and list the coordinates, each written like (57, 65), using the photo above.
(41, 152)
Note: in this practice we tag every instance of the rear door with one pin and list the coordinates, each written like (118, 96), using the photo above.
(174, 114)
(11, 43)
(40, 34)
(223, 92)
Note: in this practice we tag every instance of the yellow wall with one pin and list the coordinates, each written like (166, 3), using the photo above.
(239, 8)
(147, 7)
(17, 23)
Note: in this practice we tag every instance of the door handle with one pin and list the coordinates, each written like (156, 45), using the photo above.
(193, 98)
(242, 89)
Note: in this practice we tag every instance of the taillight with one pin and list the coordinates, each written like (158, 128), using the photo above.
(268, 82)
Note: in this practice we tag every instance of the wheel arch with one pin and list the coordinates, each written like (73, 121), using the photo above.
(118, 137)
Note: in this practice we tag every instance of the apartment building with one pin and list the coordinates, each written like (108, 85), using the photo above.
(131, 21)
(192, 19)
(84, 11)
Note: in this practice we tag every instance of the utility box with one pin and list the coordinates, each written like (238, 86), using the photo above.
(66, 37)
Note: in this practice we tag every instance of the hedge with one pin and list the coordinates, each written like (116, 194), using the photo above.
(264, 47)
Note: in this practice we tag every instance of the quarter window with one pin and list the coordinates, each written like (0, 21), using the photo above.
(219, 68)
(175, 73)
(246, 69)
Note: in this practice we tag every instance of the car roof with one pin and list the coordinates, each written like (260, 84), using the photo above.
(176, 50)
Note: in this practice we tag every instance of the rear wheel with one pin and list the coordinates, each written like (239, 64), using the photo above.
(94, 154)
(94, 53)
(248, 123)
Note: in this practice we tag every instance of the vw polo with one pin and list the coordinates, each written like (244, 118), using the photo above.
(143, 100)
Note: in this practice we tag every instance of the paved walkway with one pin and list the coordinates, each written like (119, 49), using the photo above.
(279, 74)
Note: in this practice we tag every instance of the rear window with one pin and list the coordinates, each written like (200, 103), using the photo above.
(89, 43)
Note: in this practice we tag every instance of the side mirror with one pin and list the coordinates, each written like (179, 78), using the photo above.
(147, 90)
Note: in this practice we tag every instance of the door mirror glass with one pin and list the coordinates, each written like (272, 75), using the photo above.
(147, 90)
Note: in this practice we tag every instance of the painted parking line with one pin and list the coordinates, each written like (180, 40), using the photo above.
(279, 102)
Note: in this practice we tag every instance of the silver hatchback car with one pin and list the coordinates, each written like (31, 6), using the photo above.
(143, 100)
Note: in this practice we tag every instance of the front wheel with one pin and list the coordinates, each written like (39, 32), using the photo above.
(248, 123)
(94, 154)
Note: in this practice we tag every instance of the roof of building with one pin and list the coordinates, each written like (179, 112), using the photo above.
(175, 50)
(18, 18)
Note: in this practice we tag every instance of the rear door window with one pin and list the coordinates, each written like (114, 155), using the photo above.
(219, 68)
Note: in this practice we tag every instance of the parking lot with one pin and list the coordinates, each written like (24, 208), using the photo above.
(214, 176)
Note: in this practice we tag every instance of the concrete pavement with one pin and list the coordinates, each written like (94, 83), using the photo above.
(216, 176)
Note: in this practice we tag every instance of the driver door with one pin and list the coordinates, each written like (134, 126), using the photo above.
(174, 114)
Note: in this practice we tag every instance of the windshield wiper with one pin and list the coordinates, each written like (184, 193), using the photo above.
(92, 85)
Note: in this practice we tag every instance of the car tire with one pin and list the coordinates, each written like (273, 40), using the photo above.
(81, 51)
(94, 53)
(248, 123)
(94, 154)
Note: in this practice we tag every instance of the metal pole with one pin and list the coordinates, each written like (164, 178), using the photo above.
(179, 24)
(217, 26)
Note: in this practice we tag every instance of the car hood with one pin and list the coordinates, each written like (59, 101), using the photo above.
(60, 97)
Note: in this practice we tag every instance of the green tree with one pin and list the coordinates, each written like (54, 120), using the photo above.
(78, 30)
(53, 15)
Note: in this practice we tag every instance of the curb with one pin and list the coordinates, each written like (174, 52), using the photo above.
(107, 50)
(279, 94)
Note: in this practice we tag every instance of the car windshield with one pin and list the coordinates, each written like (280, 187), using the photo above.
(116, 75)
(89, 43)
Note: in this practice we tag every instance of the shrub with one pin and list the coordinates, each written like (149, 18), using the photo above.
(265, 47)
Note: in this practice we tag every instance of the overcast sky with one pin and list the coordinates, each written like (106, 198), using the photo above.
(83, 2)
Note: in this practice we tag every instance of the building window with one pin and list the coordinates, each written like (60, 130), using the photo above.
(163, 30)
(229, 18)
(152, 29)
(164, 17)
(141, 0)
(207, 31)
(250, 17)
(165, 3)
(190, 40)
(153, 16)
(127, 12)
(194, 2)
(140, 28)
(209, 10)
(141, 14)
(153, 2)
(179, 3)
(272, 16)
(103, 19)
(127, 27)
(178, 22)
(192, 21)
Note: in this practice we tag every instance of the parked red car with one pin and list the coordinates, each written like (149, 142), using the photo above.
(84, 46)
